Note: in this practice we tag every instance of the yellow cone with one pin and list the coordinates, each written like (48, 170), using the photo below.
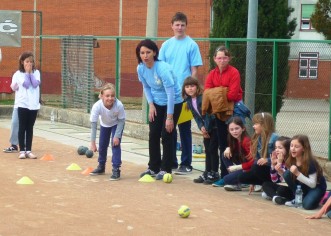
(146, 179)
(25, 180)
(74, 166)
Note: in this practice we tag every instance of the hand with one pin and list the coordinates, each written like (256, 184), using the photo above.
(169, 125)
(262, 161)
(234, 168)
(28, 68)
(280, 158)
(204, 132)
(273, 158)
(227, 153)
(93, 147)
(152, 112)
(116, 141)
(294, 170)
(278, 166)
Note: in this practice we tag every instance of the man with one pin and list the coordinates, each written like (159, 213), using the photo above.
(183, 54)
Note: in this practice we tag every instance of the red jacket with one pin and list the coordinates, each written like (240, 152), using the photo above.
(246, 149)
(229, 78)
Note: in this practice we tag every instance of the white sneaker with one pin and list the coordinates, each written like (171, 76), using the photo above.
(257, 188)
(290, 203)
(22, 155)
(265, 196)
(232, 188)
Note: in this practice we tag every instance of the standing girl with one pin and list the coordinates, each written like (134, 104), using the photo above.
(273, 190)
(262, 145)
(26, 83)
(192, 94)
(237, 157)
(304, 170)
(110, 111)
(227, 76)
(165, 103)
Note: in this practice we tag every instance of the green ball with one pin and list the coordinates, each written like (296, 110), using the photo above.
(82, 150)
(89, 153)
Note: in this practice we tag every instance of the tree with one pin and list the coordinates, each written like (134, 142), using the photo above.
(321, 18)
(230, 21)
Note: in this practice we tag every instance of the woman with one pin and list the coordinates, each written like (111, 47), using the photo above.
(165, 102)
(224, 75)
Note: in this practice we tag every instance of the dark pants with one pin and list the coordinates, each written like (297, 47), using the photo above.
(311, 196)
(157, 130)
(104, 140)
(256, 176)
(185, 134)
(232, 177)
(211, 149)
(26, 119)
(222, 132)
(273, 189)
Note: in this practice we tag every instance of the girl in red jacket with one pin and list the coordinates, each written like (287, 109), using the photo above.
(236, 157)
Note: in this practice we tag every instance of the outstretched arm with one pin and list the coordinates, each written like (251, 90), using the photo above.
(318, 215)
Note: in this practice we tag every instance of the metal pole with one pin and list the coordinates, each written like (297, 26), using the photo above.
(151, 31)
(250, 77)
(118, 75)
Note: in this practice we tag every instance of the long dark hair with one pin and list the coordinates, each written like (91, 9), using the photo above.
(192, 81)
(150, 45)
(235, 147)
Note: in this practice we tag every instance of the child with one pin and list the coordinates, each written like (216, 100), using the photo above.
(262, 145)
(110, 112)
(237, 157)
(326, 209)
(192, 93)
(272, 189)
(26, 83)
(304, 170)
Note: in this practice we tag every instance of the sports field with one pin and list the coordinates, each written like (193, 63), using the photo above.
(67, 202)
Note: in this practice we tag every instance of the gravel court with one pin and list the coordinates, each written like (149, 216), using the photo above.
(62, 202)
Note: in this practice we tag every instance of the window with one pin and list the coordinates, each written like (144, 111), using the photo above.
(308, 65)
(306, 11)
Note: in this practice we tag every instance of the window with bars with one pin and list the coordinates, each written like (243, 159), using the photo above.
(306, 11)
(308, 65)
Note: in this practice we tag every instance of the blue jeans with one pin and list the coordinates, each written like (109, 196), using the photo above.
(186, 143)
(311, 196)
(14, 128)
(232, 177)
(104, 140)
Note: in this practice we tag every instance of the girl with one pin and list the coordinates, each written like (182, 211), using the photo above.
(110, 111)
(237, 157)
(26, 83)
(262, 145)
(192, 93)
(304, 170)
(224, 75)
(165, 103)
(272, 190)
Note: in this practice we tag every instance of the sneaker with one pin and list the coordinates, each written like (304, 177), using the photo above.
(12, 148)
(148, 172)
(290, 203)
(199, 180)
(211, 178)
(100, 170)
(257, 188)
(22, 155)
(30, 155)
(116, 174)
(219, 183)
(160, 175)
(265, 196)
(279, 200)
(232, 187)
(183, 170)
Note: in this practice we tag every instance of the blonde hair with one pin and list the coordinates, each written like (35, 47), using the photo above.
(108, 86)
(268, 127)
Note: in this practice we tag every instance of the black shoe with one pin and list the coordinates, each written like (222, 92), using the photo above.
(183, 170)
(201, 178)
(116, 174)
(279, 200)
(211, 177)
(100, 170)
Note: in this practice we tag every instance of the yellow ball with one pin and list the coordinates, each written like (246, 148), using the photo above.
(167, 178)
(184, 211)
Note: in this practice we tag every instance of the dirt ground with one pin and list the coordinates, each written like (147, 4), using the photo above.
(66, 202)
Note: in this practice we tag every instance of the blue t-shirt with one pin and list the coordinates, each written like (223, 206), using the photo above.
(156, 80)
(181, 54)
